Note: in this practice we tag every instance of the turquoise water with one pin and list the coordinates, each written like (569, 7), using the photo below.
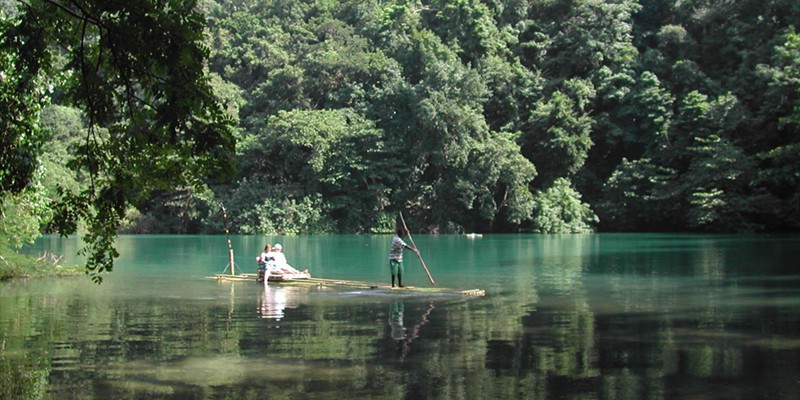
(564, 317)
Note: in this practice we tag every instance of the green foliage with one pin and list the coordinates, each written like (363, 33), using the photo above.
(648, 110)
(585, 35)
(559, 139)
(559, 209)
(136, 69)
(15, 265)
(698, 117)
(188, 210)
(588, 84)
(779, 175)
(277, 214)
(674, 42)
(337, 154)
(65, 129)
(718, 188)
(698, 180)
(258, 206)
(491, 191)
(25, 84)
(785, 75)
(638, 196)
(659, 115)
(513, 91)
(466, 25)
(24, 213)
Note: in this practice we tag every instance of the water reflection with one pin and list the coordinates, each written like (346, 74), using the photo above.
(402, 335)
(396, 320)
(579, 317)
(275, 299)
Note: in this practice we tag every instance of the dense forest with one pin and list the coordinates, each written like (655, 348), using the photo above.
(551, 116)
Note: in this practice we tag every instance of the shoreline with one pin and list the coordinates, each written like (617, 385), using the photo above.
(15, 266)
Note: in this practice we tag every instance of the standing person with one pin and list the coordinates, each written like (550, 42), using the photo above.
(396, 256)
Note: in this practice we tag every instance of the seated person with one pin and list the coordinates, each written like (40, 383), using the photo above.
(266, 260)
(281, 263)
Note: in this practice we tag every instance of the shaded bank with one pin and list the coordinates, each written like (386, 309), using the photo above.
(14, 265)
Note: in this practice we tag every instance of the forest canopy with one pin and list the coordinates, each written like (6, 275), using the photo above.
(302, 116)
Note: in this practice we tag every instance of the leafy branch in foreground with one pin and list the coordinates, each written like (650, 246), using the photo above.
(137, 69)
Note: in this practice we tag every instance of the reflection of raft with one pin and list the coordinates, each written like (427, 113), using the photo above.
(305, 279)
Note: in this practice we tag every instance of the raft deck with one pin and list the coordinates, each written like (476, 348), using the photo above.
(342, 283)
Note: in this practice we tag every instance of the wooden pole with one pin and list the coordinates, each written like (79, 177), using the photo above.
(230, 248)
(230, 260)
(415, 246)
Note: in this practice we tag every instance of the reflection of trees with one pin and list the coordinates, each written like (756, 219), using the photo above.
(615, 322)
(564, 328)
(23, 372)
(23, 376)
(517, 347)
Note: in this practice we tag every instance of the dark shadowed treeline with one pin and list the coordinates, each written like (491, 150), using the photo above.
(499, 116)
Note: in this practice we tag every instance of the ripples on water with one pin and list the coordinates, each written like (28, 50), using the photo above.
(565, 317)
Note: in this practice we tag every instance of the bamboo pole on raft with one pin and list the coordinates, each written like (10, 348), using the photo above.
(415, 246)
(230, 248)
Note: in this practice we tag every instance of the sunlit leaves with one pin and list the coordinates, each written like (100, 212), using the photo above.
(513, 89)
(719, 189)
(588, 84)
(359, 108)
(137, 70)
(558, 140)
(780, 175)
(25, 85)
(466, 25)
(23, 213)
(646, 116)
(259, 206)
(559, 209)
(491, 191)
(334, 153)
(588, 34)
(786, 75)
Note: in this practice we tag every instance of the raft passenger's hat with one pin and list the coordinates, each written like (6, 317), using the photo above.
(277, 246)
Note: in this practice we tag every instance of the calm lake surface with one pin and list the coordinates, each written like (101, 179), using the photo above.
(564, 317)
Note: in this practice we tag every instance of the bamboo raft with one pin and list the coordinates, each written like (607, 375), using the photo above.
(342, 283)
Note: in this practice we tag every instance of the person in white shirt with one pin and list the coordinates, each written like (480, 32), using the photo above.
(280, 260)
(266, 262)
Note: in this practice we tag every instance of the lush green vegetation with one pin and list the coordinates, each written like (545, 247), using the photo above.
(149, 120)
(533, 116)
(512, 116)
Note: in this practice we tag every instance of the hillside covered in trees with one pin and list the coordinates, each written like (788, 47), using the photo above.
(551, 116)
